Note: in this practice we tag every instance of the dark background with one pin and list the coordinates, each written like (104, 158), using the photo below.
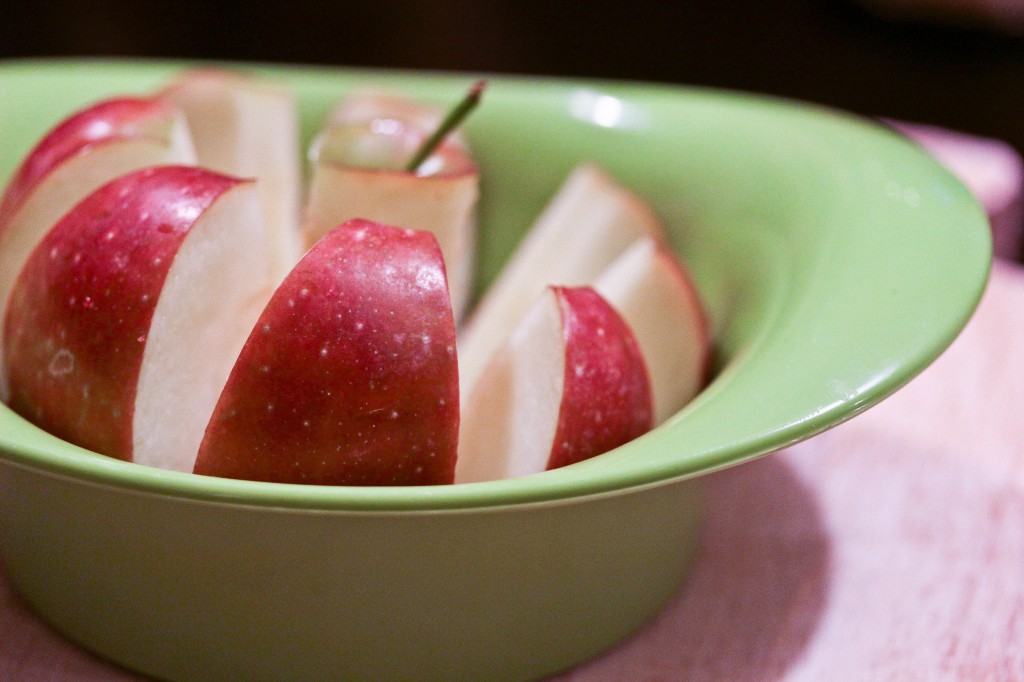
(827, 51)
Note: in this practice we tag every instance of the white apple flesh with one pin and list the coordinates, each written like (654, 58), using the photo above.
(570, 383)
(246, 127)
(654, 292)
(587, 225)
(126, 320)
(350, 376)
(358, 172)
(83, 152)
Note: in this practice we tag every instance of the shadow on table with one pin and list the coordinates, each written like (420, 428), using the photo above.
(756, 593)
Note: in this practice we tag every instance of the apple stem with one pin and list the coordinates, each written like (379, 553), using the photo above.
(457, 114)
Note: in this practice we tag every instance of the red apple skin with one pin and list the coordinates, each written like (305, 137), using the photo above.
(109, 120)
(76, 327)
(606, 395)
(350, 376)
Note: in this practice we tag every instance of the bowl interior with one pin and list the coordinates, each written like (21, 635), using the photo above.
(836, 259)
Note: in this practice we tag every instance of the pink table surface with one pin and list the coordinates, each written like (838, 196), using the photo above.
(889, 548)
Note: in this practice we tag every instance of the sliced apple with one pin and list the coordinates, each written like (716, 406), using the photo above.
(350, 375)
(77, 156)
(358, 172)
(570, 383)
(246, 127)
(587, 225)
(126, 320)
(653, 291)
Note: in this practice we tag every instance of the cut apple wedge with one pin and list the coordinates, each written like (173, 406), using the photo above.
(75, 158)
(358, 172)
(655, 294)
(126, 320)
(350, 375)
(587, 225)
(570, 383)
(246, 127)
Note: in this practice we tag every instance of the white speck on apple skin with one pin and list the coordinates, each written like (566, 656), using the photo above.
(323, 351)
(428, 278)
(265, 369)
(270, 407)
(266, 328)
(304, 291)
(61, 364)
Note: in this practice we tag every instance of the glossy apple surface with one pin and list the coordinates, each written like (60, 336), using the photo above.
(125, 321)
(350, 375)
(569, 384)
(83, 152)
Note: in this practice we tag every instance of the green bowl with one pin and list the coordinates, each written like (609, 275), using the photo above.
(836, 259)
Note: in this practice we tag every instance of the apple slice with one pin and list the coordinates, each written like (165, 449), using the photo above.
(246, 127)
(589, 222)
(570, 383)
(350, 375)
(124, 324)
(358, 172)
(653, 291)
(77, 156)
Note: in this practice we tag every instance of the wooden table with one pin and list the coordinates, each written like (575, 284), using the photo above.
(890, 548)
